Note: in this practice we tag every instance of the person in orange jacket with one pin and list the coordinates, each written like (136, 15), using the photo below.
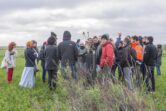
(135, 44)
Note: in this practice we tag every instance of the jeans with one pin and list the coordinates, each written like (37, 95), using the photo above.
(73, 70)
(43, 73)
(158, 69)
(127, 76)
(150, 80)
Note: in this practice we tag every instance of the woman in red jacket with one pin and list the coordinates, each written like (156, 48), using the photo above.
(107, 57)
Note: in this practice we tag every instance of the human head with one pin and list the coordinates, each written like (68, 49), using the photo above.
(51, 40)
(34, 43)
(104, 39)
(159, 46)
(11, 46)
(95, 40)
(126, 41)
(134, 38)
(150, 39)
(66, 35)
(29, 44)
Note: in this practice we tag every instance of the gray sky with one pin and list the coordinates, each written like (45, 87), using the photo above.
(23, 20)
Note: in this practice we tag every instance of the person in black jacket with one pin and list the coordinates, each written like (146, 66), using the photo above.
(51, 61)
(68, 54)
(42, 58)
(159, 59)
(126, 56)
(150, 56)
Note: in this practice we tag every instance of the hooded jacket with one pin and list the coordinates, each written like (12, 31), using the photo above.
(107, 56)
(67, 50)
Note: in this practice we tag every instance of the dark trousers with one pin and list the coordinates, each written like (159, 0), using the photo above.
(52, 78)
(150, 80)
(120, 71)
(43, 72)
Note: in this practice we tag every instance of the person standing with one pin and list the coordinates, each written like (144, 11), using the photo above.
(10, 58)
(126, 56)
(159, 59)
(150, 56)
(135, 44)
(42, 58)
(107, 58)
(28, 77)
(68, 54)
(52, 61)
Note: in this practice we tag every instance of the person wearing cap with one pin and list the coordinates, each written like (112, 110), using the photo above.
(68, 55)
(107, 58)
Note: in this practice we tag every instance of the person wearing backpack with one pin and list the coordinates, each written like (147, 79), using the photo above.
(127, 56)
(10, 59)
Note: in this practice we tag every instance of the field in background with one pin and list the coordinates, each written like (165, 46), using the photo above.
(14, 98)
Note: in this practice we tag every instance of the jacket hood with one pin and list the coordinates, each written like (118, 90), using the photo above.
(66, 35)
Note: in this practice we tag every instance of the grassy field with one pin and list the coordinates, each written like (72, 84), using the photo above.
(14, 98)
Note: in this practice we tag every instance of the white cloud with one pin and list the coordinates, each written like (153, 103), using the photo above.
(24, 20)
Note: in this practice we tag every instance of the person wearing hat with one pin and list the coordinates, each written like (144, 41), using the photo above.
(107, 57)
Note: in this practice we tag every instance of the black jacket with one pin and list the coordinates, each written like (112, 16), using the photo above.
(150, 55)
(51, 57)
(67, 50)
(127, 56)
(30, 57)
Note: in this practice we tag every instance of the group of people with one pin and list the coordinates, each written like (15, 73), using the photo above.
(96, 58)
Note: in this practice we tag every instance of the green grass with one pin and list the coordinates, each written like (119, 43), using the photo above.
(14, 98)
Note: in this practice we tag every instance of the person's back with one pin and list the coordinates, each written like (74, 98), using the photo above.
(51, 52)
(67, 50)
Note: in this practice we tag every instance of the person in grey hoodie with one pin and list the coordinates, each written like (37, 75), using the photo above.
(68, 54)
(51, 61)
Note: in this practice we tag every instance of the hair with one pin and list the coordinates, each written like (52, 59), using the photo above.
(11, 46)
(127, 40)
(104, 37)
(95, 37)
(150, 39)
(29, 44)
(135, 38)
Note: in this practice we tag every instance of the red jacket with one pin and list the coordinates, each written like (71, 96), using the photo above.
(107, 57)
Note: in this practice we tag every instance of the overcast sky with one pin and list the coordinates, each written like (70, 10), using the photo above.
(23, 20)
